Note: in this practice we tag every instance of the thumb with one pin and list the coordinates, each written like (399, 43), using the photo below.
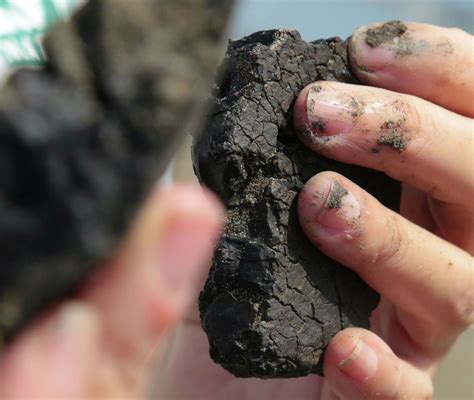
(359, 365)
(147, 289)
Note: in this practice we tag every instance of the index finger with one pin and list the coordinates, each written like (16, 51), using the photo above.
(427, 61)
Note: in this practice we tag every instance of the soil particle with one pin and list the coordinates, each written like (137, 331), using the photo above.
(444, 48)
(396, 141)
(357, 107)
(318, 126)
(316, 141)
(389, 125)
(364, 68)
(385, 33)
(336, 195)
(406, 47)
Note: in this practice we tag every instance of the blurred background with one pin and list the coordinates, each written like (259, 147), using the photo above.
(316, 19)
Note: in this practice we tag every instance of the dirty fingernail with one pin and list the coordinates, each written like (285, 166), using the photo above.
(332, 211)
(358, 360)
(376, 46)
(330, 110)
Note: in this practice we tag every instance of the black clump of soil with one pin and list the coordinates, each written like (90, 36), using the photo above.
(272, 301)
(85, 138)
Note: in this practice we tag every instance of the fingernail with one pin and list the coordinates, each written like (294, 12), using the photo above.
(72, 335)
(376, 46)
(74, 322)
(358, 361)
(331, 110)
(336, 210)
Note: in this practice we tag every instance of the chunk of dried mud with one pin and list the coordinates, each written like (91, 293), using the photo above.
(272, 300)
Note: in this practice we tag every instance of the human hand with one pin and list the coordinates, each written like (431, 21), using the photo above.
(424, 280)
(105, 343)
(420, 261)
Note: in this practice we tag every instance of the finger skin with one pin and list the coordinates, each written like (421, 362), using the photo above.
(414, 269)
(53, 359)
(427, 61)
(409, 139)
(358, 365)
(414, 207)
(455, 222)
(138, 297)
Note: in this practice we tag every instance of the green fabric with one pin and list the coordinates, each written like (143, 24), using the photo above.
(23, 23)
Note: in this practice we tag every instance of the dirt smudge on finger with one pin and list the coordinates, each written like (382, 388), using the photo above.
(318, 126)
(444, 48)
(336, 195)
(396, 35)
(395, 132)
(385, 33)
(356, 107)
(396, 141)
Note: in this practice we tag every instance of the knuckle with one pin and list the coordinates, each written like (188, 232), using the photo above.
(415, 118)
(413, 121)
(393, 242)
(462, 309)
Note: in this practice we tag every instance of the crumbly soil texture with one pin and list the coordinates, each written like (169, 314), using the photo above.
(84, 139)
(385, 33)
(272, 301)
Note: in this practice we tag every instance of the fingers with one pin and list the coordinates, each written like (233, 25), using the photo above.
(414, 206)
(359, 365)
(408, 138)
(53, 359)
(414, 269)
(424, 60)
(147, 289)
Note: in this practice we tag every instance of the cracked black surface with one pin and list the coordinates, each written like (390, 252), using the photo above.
(272, 301)
(85, 138)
